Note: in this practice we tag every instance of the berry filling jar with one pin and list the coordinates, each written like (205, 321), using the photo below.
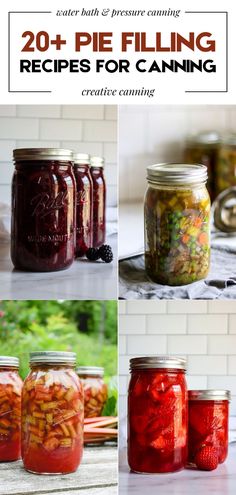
(208, 423)
(99, 200)
(177, 222)
(95, 390)
(226, 164)
(83, 203)
(43, 209)
(10, 409)
(52, 414)
(157, 415)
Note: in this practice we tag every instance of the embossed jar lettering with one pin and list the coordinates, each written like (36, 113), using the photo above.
(43, 209)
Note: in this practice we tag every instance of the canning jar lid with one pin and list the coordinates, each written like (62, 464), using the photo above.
(177, 174)
(147, 362)
(9, 361)
(81, 158)
(38, 154)
(209, 395)
(90, 370)
(207, 138)
(52, 357)
(96, 161)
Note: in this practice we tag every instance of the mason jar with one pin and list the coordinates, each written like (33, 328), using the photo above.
(226, 164)
(10, 409)
(52, 414)
(157, 414)
(208, 422)
(99, 200)
(95, 390)
(43, 209)
(177, 223)
(84, 203)
(204, 148)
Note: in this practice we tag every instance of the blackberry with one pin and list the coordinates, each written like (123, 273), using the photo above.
(92, 254)
(105, 253)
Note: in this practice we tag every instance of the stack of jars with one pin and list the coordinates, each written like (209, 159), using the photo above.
(58, 207)
(42, 419)
(169, 427)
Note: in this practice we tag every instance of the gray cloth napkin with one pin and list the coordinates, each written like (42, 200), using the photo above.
(220, 283)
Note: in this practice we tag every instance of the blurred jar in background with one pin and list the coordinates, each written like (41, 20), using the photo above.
(99, 200)
(95, 390)
(203, 148)
(226, 164)
(83, 203)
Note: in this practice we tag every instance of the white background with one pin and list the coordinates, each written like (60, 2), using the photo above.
(170, 87)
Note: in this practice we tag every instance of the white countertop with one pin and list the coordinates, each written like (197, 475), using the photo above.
(222, 481)
(83, 280)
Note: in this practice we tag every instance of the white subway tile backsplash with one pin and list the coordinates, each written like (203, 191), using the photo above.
(6, 171)
(122, 344)
(148, 307)
(80, 147)
(111, 112)
(132, 324)
(147, 344)
(7, 110)
(122, 307)
(222, 306)
(187, 344)
(110, 173)
(110, 152)
(222, 382)
(79, 112)
(123, 385)
(180, 306)
(50, 111)
(6, 148)
(207, 324)
(58, 129)
(232, 323)
(167, 324)
(196, 382)
(219, 344)
(5, 194)
(232, 364)
(99, 131)
(11, 128)
(209, 365)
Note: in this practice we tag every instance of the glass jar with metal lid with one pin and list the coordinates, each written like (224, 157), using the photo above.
(84, 203)
(226, 164)
(157, 414)
(95, 390)
(177, 221)
(99, 200)
(43, 209)
(52, 414)
(10, 409)
(204, 148)
(208, 424)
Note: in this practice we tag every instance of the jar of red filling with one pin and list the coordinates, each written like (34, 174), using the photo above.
(84, 203)
(43, 209)
(99, 200)
(208, 422)
(95, 390)
(52, 414)
(10, 409)
(157, 415)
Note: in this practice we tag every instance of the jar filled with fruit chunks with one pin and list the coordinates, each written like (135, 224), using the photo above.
(84, 203)
(99, 200)
(177, 221)
(10, 409)
(52, 414)
(204, 148)
(157, 415)
(208, 425)
(226, 164)
(95, 390)
(43, 210)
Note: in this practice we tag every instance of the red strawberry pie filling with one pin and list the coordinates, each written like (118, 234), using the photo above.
(208, 427)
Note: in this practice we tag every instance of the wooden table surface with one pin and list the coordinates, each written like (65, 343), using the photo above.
(97, 475)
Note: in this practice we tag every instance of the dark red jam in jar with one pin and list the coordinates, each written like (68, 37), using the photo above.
(157, 415)
(10, 409)
(52, 414)
(99, 200)
(83, 203)
(43, 209)
(208, 423)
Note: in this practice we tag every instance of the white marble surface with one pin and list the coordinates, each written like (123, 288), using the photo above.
(222, 481)
(83, 280)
